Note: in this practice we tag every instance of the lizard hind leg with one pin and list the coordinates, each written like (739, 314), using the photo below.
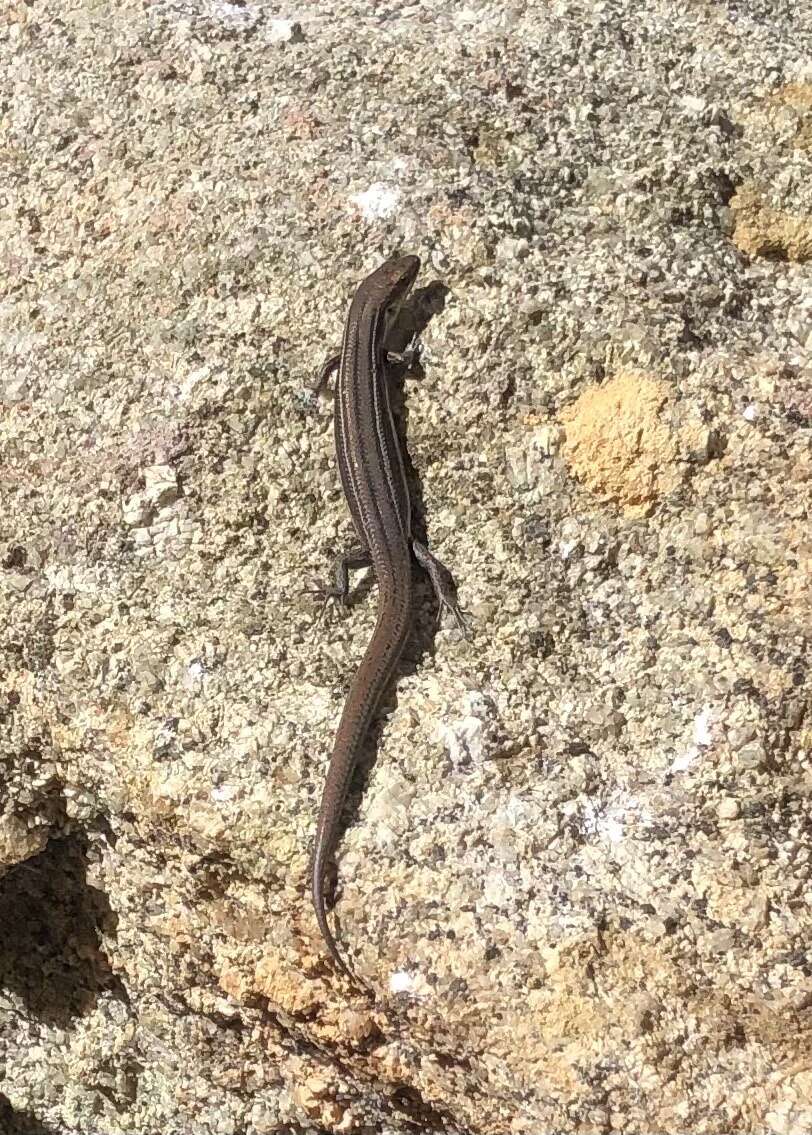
(444, 584)
(339, 590)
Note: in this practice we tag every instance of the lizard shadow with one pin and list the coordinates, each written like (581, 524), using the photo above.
(414, 317)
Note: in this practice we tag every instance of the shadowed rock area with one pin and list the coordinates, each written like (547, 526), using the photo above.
(575, 868)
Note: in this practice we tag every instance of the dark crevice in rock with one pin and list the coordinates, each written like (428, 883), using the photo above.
(14, 1122)
(51, 921)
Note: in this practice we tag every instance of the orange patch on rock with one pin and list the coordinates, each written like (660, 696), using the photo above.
(796, 95)
(617, 444)
(761, 230)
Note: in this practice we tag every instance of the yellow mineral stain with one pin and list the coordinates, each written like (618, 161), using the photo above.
(617, 443)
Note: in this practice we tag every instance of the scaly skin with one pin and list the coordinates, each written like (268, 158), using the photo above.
(371, 468)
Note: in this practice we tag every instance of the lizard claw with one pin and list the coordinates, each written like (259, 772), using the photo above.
(327, 594)
(454, 609)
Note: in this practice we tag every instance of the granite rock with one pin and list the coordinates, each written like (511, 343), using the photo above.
(577, 869)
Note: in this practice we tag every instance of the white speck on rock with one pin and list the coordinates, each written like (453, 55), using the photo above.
(684, 760)
(566, 548)
(142, 537)
(728, 808)
(401, 982)
(607, 823)
(236, 15)
(160, 484)
(378, 202)
(136, 511)
(284, 31)
(464, 740)
(192, 379)
(702, 727)
(750, 413)
(693, 104)
(612, 828)
(702, 738)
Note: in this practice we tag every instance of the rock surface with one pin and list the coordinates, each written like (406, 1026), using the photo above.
(579, 874)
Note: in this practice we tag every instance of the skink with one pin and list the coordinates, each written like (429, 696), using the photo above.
(370, 466)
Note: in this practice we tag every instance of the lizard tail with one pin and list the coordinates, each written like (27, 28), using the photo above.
(318, 871)
(371, 679)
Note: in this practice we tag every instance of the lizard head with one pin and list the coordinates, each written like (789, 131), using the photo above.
(393, 279)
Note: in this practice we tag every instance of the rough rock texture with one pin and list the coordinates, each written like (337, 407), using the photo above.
(579, 874)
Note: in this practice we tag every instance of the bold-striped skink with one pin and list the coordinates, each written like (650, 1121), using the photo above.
(370, 465)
